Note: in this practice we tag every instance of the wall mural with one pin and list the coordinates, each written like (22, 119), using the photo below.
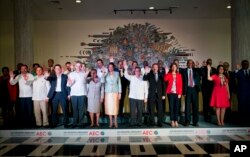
(137, 42)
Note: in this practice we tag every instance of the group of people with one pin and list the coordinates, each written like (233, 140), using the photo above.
(103, 90)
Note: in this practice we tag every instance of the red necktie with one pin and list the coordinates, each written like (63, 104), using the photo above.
(191, 83)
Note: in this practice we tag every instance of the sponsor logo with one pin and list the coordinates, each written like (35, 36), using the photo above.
(41, 133)
(96, 133)
(149, 132)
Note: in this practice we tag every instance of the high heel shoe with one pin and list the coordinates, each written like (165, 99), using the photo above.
(176, 124)
(172, 124)
(222, 124)
(116, 125)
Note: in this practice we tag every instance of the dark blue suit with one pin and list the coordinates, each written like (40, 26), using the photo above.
(57, 97)
(191, 95)
(207, 88)
(243, 89)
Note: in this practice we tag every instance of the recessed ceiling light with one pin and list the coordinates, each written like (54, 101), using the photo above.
(78, 1)
(228, 6)
(151, 8)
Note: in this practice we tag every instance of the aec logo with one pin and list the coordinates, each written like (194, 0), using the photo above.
(41, 133)
(96, 133)
(149, 132)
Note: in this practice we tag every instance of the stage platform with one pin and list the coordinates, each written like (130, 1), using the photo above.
(206, 140)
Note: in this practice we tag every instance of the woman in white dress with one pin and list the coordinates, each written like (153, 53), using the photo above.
(95, 93)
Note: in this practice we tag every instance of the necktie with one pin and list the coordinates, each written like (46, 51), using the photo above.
(156, 77)
(190, 80)
(245, 72)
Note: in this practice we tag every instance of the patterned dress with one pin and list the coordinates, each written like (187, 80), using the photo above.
(95, 92)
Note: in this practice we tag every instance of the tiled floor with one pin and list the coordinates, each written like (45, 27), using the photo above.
(133, 146)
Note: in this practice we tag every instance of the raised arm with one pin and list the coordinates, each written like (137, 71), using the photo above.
(126, 75)
(166, 72)
(12, 80)
(208, 73)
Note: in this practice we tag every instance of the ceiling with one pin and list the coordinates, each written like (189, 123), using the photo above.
(104, 9)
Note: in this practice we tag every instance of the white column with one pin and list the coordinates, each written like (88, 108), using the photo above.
(240, 23)
(23, 32)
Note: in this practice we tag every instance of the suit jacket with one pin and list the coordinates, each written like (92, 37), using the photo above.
(196, 79)
(113, 84)
(53, 80)
(207, 86)
(154, 86)
(243, 82)
(169, 78)
(124, 81)
(231, 81)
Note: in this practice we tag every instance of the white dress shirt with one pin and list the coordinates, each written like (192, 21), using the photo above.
(40, 88)
(79, 85)
(138, 89)
(100, 72)
(59, 83)
(25, 87)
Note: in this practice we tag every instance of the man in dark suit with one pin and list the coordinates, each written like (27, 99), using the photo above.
(124, 83)
(191, 89)
(156, 93)
(232, 88)
(207, 87)
(243, 89)
(162, 73)
(59, 92)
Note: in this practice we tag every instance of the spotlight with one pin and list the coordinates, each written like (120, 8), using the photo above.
(78, 1)
(228, 6)
(151, 8)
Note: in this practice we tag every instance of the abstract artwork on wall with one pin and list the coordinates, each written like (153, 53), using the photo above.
(134, 42)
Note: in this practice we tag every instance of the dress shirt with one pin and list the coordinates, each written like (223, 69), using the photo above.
(40, 88)
(173, 88)
(99, 72)
(25, 87)
(59, 83)
(138, 87)
(79, 86)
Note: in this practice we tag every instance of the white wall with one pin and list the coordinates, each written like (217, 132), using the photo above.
(211, 38)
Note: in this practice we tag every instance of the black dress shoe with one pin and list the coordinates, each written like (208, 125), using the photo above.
(195, 124)
(159, 124)
(187, 124)
(46, 126)
(139, 125)
(53, 126)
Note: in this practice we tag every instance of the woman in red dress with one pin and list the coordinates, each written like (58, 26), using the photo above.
(220, 95)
